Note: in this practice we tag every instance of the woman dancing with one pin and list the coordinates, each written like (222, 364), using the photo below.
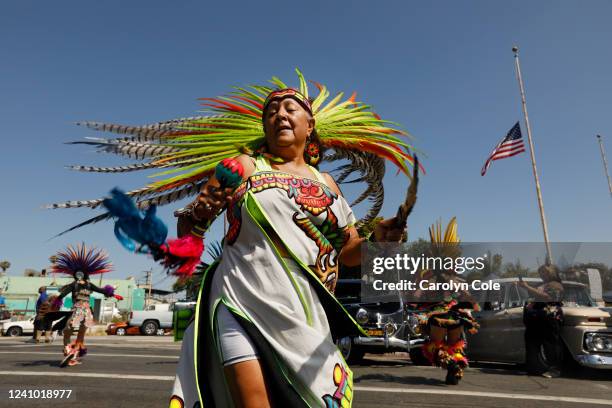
(80, 262)
(266, 318)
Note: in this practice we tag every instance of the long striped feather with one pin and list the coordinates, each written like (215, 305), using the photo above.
(134, 150)
(141, 134)
(371, 168)
(377, 203)
(116, 169)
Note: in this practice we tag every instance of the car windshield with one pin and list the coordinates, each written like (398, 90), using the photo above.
(348, 290)
(577, 296)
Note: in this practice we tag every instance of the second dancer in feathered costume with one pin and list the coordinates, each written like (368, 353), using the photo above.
(80, 262)
(445, 316)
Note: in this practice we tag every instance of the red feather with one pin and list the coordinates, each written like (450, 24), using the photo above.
(188, 250)
(317, 84)
(231, 106)
(251, 101)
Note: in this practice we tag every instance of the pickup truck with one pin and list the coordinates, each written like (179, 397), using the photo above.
(155, 317)
(586, 334)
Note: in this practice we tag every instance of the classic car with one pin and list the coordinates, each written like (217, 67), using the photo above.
(389, 325)
(586, 332)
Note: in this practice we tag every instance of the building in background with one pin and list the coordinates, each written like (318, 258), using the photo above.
(21, 293)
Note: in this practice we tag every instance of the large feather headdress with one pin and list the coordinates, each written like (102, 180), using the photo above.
(187, 150)
(90, 261)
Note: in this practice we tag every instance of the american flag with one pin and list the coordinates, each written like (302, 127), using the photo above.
(511, 145)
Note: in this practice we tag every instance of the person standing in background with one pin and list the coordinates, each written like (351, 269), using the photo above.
(41, 308)
(4, 313)
(543, 319)
(2, 302)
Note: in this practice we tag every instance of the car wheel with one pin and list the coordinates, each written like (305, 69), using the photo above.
(121, 331)
(417, 358)
(149, 328)
(351, 352)
(14, 331)
(536, 361)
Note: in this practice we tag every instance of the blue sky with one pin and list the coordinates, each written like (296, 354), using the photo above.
(443, 69)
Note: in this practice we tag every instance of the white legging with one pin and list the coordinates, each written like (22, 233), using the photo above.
(236, 346)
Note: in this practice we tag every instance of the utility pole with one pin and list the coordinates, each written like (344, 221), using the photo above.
(148, 276)
(605, 162)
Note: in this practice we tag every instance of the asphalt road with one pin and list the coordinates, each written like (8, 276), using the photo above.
(138, 372)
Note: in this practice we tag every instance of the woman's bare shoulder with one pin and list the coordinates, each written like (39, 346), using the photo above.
(331, 183)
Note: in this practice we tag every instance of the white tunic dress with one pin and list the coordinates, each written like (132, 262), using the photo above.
(278, 264)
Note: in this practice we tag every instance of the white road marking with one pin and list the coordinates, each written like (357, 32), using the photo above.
(487, 395)
(89, 375)
(160, 347)
(93, 354)
(434, 391)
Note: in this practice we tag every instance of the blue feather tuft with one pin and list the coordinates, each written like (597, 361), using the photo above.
(131, 225)
(120, 205)
(153, 229)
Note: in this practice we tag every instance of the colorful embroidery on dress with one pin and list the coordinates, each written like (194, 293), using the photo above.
(329, 239)
(343, 396)
(309, 194)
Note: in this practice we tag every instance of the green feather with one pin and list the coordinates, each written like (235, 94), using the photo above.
(223, 132)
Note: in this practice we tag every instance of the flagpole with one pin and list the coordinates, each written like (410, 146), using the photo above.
(605, 162)
(533, 160)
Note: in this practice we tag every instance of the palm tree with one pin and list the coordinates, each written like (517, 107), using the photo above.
(4, 265)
